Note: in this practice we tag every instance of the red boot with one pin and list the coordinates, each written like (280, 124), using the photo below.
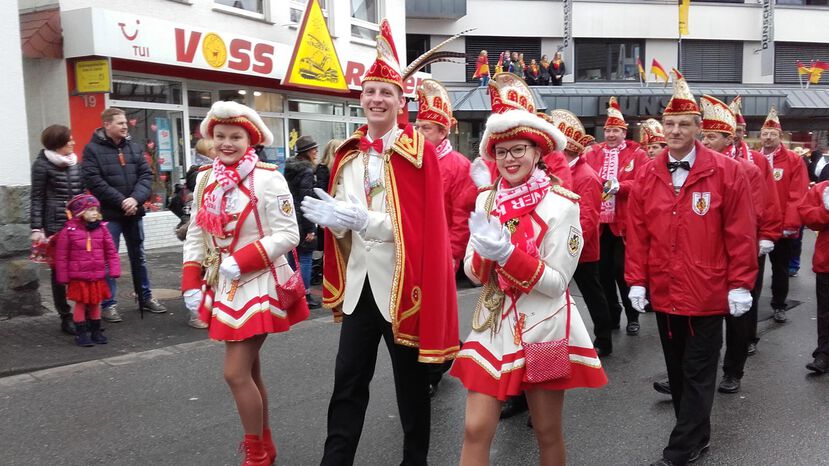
(270, 448)
(254, 451)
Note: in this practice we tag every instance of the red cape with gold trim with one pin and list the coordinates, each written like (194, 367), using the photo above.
(423, 304)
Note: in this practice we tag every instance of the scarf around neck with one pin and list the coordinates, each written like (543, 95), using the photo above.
(212, 216)
(444, 148)
(60, 160)
(610, 171)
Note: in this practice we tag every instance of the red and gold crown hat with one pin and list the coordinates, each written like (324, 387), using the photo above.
(716, 116)
(234, 113)
(772, 121)
(651, 132)
(736, 106)
(615, 119)
(514, 117)
(386, 68)
(433, 104)
(682, 102)
(570, 125)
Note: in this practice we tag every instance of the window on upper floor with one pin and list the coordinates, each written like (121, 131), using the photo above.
(298, 10)
(803, 2)
(786, 56)
(254, 6)
(608, 59)
(712, 61)
(365, 18)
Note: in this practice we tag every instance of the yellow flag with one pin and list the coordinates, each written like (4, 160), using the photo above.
(314, 64)
(684, 6)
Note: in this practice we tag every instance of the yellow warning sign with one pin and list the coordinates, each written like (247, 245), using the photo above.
(315, 64)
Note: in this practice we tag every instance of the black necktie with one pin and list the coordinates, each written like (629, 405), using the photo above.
(672, 166)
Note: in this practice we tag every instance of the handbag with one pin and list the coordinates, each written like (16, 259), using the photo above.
(291, 294)
(548, 360)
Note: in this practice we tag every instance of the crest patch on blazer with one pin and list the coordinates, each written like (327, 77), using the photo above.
(286, 204)
(701, 202)
(778, 174)
(574, 241)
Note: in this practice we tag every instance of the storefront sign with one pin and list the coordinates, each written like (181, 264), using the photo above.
(314, 63)
(767, 39)
(643, 105)
(164, 143)
(92, 76)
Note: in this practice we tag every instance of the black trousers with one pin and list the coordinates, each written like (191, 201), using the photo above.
(59, 298)
(780, 258)
(822, 290)
(356, 357)
(755, 299)
(691, 346)
(612, 274)
(586, 277)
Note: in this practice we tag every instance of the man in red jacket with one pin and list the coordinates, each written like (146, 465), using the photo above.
(691, 243)
(814, 212)
(617, 162)
(771, 229)
(588, 186)
(792, 181)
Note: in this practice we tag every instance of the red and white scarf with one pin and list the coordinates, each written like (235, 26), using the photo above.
(444, 148)
(212, 216)
(610, 171)
(770, 157)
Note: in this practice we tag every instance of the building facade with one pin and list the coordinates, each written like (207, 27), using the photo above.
(732, 47)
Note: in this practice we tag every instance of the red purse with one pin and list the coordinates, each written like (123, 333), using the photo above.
(548, 360)
(291, 294)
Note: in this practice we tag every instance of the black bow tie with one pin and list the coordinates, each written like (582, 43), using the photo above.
(672, 166)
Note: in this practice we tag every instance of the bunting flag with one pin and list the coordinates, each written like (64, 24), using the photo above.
(659, 72)
(684, 6)
(818, 67)
(802, 69)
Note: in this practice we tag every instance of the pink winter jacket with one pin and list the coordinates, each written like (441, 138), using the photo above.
(74, 262)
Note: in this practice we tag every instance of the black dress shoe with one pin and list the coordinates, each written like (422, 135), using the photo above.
(602, 352)
(663, 462)
(433, 389)
(514, 405)
(699, 451)
(729, 384)
(663, 387)
(752, 348)
(820, 364)
(632, 328)
(67, 326)
(779, 316)
(313, 303)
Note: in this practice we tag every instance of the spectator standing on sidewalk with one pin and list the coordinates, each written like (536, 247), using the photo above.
(115, 172)
(323, 175)
(299, 172)
(83, 254)
(56, 178)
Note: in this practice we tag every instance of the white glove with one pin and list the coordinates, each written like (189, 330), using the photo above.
(789, 233)
(351, 215)
(321, 211)
(230, 269)
(637, 298)
(766, 247)
(192, 299)
(498, 250)
(611, 187)
(826, 198)
(483, 224)
(480, 173)
(37, 236)
(739, 301)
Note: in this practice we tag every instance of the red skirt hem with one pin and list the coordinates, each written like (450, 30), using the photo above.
(85, 292)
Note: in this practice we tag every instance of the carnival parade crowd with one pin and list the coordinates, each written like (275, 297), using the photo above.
(679, 224)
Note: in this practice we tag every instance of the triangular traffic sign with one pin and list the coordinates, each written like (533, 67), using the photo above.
(314, 64)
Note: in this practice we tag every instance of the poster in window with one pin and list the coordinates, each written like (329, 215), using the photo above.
(164, 142)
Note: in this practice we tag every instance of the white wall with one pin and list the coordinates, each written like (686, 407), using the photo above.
(47, 101)
(515, 18)
(16, 165)
(449, 72)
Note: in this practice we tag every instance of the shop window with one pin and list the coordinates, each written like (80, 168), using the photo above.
(607, 60)
(268, 102)
(321, 131)
(254, 6)
(365, 17)
(317, 108)
(234, 95)
(356, 111)
(276, 152)
(202, 99)
(145, 90)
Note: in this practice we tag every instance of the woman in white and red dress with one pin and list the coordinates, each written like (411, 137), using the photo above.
(243, 224)
(524, 247)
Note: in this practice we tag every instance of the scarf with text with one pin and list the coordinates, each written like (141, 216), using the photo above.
(212, 216)
(444, 148)
(610, 171)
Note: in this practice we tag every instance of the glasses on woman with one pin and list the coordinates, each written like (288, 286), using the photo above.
(515, 151)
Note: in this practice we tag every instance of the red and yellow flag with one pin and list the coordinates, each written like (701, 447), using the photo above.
(641, 69)
(658, 71)
(803, 69)
(817, 69)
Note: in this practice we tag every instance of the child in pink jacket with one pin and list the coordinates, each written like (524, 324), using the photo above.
(83, 252)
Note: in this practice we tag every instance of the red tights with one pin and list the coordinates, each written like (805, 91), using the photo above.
(83, 312)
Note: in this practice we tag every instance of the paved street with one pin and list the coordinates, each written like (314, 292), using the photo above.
(155, 395)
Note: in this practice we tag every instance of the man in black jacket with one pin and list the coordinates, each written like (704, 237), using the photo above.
(299, 172)
(115, 171)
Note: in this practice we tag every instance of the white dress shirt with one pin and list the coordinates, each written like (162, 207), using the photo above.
(680, 175)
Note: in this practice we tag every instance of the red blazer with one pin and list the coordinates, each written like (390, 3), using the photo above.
(792, 181)
(588, 186)
(460, 194)
(631, 161)
(689, 250)
(771, 219)
(814, 215)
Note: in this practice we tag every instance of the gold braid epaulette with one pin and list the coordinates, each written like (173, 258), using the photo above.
(565, 193)
(267, 166)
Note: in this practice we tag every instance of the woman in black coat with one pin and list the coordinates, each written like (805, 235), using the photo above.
(56, 178)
